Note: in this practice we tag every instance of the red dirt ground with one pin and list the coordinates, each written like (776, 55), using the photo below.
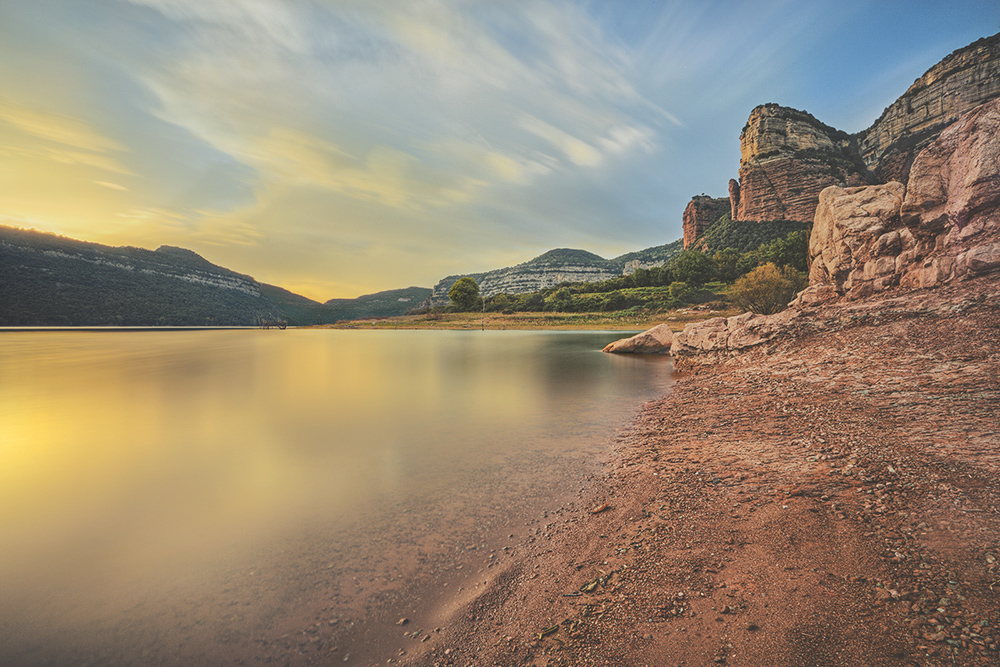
(829, 498)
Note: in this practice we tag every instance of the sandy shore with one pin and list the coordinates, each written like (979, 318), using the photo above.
(829, 498)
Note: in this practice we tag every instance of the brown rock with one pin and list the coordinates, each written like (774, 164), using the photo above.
(654, 341)
(851, 228)
(699, 215)
(734, 198)
(722, 334)
(960, 82)
(944, 225)
(787, 158)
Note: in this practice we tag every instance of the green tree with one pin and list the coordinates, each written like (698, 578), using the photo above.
(726, 262)
(464, 294)
(560, 301)
(694, 268)
(678, 290)
(767, 289)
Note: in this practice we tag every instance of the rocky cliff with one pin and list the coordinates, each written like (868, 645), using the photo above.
(787, 158)
(965, 79)
(699, 215)
(941, 228)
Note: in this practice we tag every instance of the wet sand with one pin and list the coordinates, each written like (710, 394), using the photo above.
(830, 498)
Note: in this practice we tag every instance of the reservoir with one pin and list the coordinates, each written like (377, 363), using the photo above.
(257, 497)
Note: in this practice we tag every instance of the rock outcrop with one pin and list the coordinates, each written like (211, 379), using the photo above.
(699, 215)
(787, 158)
(724, 334)
(944, 225)
(653, 341)
(962, 81)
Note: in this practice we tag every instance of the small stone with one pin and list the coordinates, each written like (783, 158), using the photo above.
(403, 621)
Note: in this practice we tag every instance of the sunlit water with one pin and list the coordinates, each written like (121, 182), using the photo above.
(164, 494)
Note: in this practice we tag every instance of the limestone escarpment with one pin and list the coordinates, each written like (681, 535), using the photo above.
(944, 225)
(699, 215)
(558, 266)
(962, 81)
(787, 158)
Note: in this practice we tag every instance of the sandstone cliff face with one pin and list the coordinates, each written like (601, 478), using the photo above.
(699, 215)
(962, 81)
(787, 158)
(944, 225)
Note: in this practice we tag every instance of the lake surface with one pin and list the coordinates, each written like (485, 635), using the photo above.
(205, 497)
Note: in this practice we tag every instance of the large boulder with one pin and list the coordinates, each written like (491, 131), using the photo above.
(654, 341)
(944, 225)
(727, 334)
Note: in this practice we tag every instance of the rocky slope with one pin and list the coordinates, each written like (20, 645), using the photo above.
(965, 79)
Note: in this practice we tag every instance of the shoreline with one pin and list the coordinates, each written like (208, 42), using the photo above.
(830, 498)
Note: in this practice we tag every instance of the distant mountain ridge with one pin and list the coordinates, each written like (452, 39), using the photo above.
(51, 280)
(557, 266)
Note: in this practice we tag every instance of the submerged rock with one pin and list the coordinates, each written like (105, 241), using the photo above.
(654, 341)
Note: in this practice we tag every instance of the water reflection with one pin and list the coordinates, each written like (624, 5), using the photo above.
(132, 461)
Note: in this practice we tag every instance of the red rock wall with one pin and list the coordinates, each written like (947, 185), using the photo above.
(699, 215)
(785, 189)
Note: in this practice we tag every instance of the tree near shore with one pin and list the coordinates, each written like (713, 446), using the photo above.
(464, 294)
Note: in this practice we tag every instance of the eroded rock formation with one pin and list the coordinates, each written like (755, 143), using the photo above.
(944, 225)
(787, 158)
(965, 79)
(699, 215)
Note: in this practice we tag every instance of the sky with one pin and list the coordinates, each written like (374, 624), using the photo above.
(343, 147)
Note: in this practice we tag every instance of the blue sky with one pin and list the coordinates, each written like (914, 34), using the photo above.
(341, 147)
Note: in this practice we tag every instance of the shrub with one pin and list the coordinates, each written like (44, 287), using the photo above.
(694, 268)
(767, 289)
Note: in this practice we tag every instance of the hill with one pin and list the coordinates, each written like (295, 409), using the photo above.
(558, 266)
(50, 280)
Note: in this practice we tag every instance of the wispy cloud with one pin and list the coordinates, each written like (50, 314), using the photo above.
(349, 142)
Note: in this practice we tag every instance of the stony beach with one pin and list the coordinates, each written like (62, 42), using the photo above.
(830, 497)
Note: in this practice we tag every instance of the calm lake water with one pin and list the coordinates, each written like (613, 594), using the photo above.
(201, 496)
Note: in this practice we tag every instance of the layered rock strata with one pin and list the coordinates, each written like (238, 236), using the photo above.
(962, 81)
(699, 215)
(942, 227)
(787, 158)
